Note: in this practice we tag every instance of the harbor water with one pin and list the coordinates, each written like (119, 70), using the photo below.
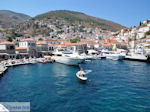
(112, 86)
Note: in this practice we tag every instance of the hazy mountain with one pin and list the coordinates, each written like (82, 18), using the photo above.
(9, 18)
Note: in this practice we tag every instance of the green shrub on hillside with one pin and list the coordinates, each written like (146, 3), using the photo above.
(147, 33)
(74, 40)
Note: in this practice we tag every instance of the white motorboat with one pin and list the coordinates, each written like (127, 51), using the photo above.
(27, 61)
(102, 56)
(93, 54)
(68, 58)
(136, 57)
(113, 55)
(81, 75)
(93, 57)
(32, 61)
(137, 54)
(10, 63)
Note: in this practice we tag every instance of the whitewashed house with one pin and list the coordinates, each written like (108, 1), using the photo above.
(141, 31)
(21, 52)
(148, 24)
(140, 35)
(7, 50)
(30, 45)
(42, 48)
(144, 29)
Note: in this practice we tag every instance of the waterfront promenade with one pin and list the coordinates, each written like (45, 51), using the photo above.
(17, 62)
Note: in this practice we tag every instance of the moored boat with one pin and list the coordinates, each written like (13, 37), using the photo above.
(67, 57)
(113, 55)
(136, 57)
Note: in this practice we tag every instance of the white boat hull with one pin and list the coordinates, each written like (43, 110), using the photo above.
(138, 57)
(81, 78)
(68, 60)
(115, 57)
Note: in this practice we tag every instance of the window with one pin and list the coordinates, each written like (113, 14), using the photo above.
(33, 44)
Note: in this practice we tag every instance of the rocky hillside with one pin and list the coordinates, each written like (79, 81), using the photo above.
(10, 18)
(80, 18)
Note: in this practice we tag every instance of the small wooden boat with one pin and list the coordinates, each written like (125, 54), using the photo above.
(81, 75)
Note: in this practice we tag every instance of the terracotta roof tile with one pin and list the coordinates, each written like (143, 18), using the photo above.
(107, 44)
(28, 39)
(41, 43)
(20, 48)
(6, 42)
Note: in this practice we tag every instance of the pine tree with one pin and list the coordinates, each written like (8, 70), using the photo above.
(140, 23)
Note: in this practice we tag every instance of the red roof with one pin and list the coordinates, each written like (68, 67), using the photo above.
(107, 44)
(41, 43)
(28, 39)
(20, 48)
(6, 42)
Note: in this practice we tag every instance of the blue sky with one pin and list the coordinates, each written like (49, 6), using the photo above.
(124, 12)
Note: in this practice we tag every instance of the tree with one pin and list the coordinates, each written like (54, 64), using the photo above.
(9, 39)
(33, 19)
(40, 39)
(60, 32)
(147, 33)
(27, 36)
(74, 40)
(140, 23)
(36, 26)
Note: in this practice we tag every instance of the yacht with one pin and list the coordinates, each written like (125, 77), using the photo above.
(67, 57)
(136, 56)
(113, 55)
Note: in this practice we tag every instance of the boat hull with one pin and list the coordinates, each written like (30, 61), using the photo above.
(115, 57)
(137, 57)
(68, 60)
(81, 78)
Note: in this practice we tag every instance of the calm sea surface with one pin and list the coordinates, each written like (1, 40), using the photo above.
(112, 86)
